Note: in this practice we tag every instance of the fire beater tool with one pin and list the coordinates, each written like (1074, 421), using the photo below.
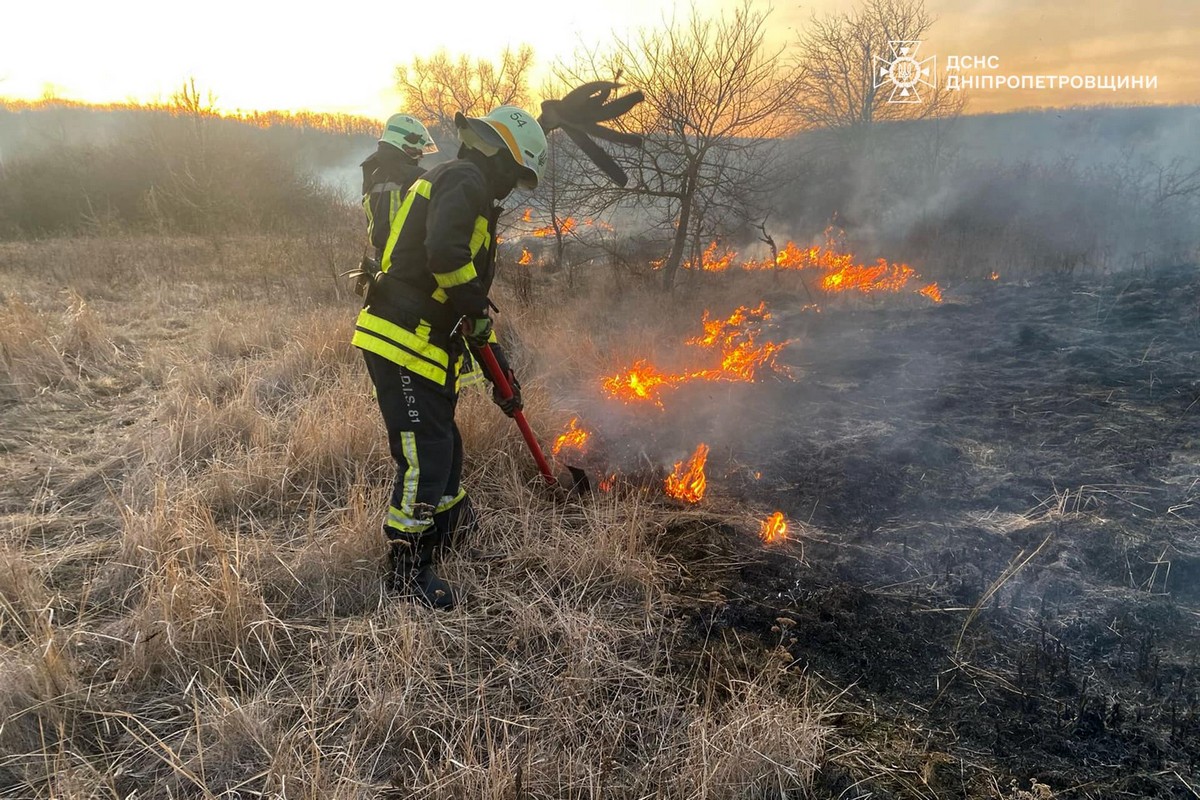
(579, 481)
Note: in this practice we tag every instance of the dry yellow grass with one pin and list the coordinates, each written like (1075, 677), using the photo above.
(198, 613)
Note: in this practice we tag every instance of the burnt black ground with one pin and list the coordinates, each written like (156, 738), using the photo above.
(932, 449)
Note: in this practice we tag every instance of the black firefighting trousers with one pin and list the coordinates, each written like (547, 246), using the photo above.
(419, 416)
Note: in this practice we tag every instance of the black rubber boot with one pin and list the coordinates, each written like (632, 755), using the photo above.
(410, 562)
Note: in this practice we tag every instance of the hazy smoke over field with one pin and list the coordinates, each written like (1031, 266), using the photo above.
(1105, 188)
(1028, 196)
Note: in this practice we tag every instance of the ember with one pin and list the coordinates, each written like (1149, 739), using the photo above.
(574, 438)
(688, 483)
(526, 257)
(774, 528)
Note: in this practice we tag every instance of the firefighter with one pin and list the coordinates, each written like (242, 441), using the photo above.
(390, 170)
(425, 310)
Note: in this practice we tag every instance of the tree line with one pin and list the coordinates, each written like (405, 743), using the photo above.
(720, 101)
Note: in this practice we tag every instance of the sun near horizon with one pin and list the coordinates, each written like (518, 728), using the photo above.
(265, 56)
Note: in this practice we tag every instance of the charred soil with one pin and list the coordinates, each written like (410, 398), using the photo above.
(1000, 569)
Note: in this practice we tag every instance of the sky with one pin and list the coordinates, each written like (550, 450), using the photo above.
(265, 54)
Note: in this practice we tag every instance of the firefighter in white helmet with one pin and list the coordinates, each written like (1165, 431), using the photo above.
(423, 312)
(390, 170)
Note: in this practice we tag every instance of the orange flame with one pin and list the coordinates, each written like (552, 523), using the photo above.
(574, 438)
(564, 227)
(736, 338)
(688, 483)
(710, 261)
(995, 276)
(526, 257)
(774, 529)
(527, 216)
(843, 271)
(642, 381)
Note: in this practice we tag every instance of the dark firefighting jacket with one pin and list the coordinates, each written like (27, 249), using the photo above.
(437, 265)
(387, 174)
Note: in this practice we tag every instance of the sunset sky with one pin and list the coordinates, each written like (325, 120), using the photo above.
(275, 55)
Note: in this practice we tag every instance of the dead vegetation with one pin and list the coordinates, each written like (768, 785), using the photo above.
(190, 601)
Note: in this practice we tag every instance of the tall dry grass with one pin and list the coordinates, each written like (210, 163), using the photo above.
(211, 621)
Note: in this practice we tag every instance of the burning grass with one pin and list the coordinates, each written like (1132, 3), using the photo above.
(837, 268)
(737, 339)
(687, 481)
(201, 614)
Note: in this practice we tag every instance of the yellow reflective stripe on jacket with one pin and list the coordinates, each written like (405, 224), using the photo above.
(420, 188)
(420, 346)
(411, 351)
(366, 204)
(398, 355)
(464, 274)
(480, 236)
(467, 272)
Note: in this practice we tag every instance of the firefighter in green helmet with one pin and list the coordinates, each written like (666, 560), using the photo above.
(390, 170)
(424, 309)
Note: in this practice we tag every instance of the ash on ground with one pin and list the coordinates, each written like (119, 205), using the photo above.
(1002, 504)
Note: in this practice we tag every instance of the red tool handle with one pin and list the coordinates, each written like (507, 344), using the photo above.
(502, 386)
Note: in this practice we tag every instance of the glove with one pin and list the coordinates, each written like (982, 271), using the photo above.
(512, 404)
(477, 330)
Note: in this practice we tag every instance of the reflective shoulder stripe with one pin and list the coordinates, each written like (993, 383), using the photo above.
(464, 274)
(420, 188)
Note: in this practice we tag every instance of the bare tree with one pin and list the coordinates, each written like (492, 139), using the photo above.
(436, 87)
(841, 55)
(717, 99)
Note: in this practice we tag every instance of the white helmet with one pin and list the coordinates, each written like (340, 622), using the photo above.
(406, 133)
(508, 129)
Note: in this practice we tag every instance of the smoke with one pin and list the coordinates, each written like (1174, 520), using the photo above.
(1095, 188)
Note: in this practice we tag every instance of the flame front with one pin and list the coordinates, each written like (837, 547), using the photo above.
(574, 438)
(564, 227)
(526, 257)
(642, 381)
(774, 528)
(736, 338)
(710, 261)
(842, 271)
(688, 483)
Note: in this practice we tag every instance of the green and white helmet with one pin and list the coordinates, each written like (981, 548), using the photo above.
(405, 132)
(510, 129)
